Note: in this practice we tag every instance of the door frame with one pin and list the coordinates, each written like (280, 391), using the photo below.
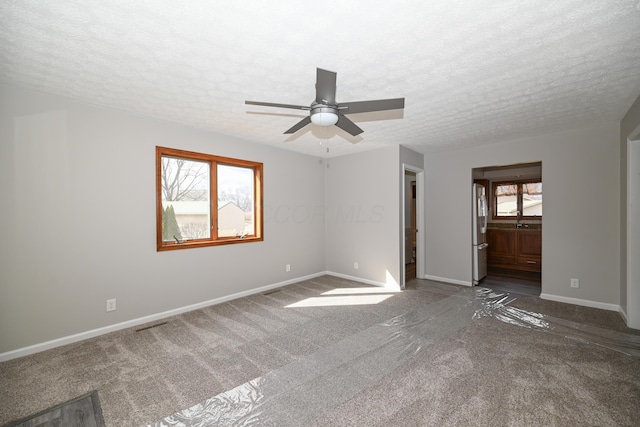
(420, 224)
(633, 230)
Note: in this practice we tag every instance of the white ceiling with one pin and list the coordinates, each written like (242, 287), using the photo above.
(471, 71)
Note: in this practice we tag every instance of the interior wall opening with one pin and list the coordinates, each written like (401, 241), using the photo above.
(513, 235)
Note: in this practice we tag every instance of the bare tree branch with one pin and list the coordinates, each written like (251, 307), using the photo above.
(184, 179)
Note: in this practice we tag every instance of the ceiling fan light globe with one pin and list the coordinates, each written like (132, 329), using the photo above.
(323, 115)
(324, 119)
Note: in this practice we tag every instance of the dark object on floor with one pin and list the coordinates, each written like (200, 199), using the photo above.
(83, 411)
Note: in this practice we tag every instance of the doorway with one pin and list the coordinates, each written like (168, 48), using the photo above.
(514, 227)
(410, 231)
(412, 223)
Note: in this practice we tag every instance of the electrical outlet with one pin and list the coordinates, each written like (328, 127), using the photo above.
(111, 304)
(355, 265)
(287, 267)
(575, 283)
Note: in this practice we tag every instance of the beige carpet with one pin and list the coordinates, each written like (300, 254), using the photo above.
(331, 352)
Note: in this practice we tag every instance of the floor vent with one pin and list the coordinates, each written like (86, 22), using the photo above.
(149, 327)
(271, 292)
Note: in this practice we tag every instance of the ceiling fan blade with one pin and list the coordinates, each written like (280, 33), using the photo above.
(326, 86)
(348, 126)
(367, 106)
(302, 123)
(272, 104)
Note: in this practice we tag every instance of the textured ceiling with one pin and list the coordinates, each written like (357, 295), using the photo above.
(471, 71)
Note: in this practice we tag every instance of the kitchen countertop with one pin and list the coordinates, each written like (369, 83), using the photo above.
(512, 226)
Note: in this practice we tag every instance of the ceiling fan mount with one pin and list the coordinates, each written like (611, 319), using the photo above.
(325, 111)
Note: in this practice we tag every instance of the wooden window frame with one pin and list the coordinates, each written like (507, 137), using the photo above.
(494, 199)
(213, 161)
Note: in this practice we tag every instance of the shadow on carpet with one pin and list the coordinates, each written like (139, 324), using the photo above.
(83, 411)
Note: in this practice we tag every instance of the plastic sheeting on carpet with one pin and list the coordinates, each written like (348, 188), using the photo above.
(289, 396)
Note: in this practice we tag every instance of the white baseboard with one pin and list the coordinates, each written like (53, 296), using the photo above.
(582, 302)
(447, 280)
(357, 279)
(624, 315)
(36, 348)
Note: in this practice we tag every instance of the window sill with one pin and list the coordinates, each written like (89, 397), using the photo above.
(167, 246)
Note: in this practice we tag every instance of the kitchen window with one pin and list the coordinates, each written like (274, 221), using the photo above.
(206, 200)
(517, 199)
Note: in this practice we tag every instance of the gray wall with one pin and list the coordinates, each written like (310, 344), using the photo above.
(629, 123)
(78, 220)
(363, 223)
(581, 231)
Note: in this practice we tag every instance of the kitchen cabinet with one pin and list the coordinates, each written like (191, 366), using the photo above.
(515, 249)
(502, 247)
(529, 249)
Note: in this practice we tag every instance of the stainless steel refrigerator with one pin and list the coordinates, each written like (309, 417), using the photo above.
(480, 245)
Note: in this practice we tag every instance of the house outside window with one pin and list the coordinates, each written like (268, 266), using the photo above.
(205, 200)
(517, 199)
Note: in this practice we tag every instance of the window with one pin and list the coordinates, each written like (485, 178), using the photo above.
(205, 200)
(517, 199)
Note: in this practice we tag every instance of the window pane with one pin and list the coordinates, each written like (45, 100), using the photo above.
(507, 200)
(185, 199)
(235, 201)
(532, 199)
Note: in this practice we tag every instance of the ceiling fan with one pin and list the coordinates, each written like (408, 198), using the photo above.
(325, 111)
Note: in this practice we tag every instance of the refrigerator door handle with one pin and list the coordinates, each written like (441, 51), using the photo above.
(483, 213)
